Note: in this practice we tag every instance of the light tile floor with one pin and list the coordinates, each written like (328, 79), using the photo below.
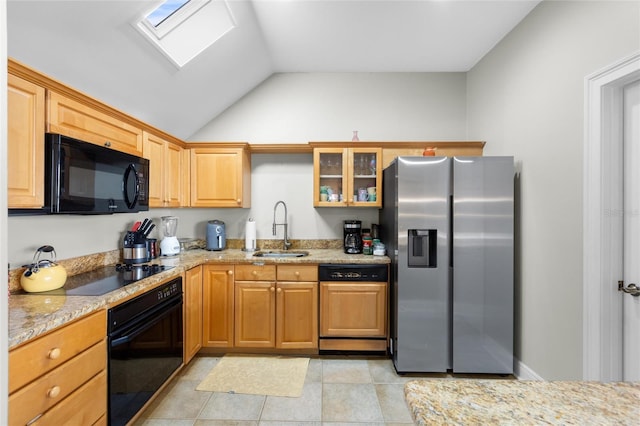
(337, 391)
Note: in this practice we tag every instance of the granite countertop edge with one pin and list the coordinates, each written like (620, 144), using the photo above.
(32, 315)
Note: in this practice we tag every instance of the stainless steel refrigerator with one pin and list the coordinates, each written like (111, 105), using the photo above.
(448, 225)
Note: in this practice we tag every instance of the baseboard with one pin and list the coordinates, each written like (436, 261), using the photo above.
(522, 372)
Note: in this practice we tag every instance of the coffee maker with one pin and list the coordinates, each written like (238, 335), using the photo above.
(353, 236)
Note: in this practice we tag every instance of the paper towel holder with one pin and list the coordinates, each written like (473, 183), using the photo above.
(254, 239)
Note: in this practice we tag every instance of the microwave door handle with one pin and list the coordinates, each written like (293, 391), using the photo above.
(131, 203)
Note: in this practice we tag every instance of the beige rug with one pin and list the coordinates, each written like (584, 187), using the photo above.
(258, 375)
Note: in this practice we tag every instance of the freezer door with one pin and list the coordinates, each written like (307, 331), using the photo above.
(483, 264)
(422, 287)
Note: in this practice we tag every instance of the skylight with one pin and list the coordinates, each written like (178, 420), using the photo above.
(182, 29)
(164, 11)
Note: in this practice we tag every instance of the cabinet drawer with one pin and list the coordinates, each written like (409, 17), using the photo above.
(55, 386)
(85, 406)
(255, 272)
(36, 358)
(297, 273)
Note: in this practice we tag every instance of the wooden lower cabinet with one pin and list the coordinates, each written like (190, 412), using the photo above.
(255, 314)
(350, 311)
(276, 314)
(297, 315)
(60, 378)
(217, 306)
(192, 313)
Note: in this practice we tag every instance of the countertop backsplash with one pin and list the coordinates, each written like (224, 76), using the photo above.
(78, 265)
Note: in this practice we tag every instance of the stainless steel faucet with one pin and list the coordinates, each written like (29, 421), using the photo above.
(286, 243)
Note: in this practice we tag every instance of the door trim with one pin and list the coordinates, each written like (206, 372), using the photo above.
(602, 227)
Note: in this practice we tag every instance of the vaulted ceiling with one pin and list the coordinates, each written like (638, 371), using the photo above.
(92, 46)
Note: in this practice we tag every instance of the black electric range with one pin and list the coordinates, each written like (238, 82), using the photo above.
(105, 279)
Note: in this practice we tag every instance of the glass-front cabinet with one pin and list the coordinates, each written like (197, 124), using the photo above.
(347, 177)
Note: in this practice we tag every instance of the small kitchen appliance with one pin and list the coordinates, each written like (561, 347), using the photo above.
(169, 246)
(216, 235)
(135, 247)
(43, 274)
(84, 178)
(353, 236)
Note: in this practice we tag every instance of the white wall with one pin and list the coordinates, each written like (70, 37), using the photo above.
(526, 98)
(302, 107)
(293, 108)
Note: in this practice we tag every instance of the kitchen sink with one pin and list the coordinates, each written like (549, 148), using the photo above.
(281, 253)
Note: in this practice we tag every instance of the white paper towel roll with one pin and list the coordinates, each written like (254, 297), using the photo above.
(250, 235)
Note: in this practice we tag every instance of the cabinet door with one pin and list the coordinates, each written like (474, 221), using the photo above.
(297, 315)
(353, 309)
(329, 177)
(192, 313)
(217, 299)
(77, 120)
(220, 177)
(154, 149)
(347, 177)
(255, 314)
(365, 177)
(174, 175)
(25, 143)
(166, 171)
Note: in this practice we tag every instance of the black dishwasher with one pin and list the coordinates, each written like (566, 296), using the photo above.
(354, 308)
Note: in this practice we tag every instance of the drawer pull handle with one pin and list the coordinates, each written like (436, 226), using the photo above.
(254, 273)
(53, 392)
(54, 353)
(297, 273)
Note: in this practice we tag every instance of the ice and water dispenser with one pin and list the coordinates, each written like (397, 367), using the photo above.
(423, 244)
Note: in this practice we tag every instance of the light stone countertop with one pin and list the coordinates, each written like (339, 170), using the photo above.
(522, 402)
(34, 314)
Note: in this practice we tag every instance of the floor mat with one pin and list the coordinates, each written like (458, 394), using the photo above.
(257, 375)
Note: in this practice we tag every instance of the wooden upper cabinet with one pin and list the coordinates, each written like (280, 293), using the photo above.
(25, 150)
(345, 172)
(80, 121)
(168, 172)
(220, 176)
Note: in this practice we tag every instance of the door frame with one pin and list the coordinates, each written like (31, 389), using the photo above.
(602, 227)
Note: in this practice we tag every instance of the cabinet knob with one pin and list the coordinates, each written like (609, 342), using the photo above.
(279, 290)
(297, 273)
(107, 143)
(272, 289)
(254, 273)
(54, 353)
(53, 392)
(239, 201)
(230, 272)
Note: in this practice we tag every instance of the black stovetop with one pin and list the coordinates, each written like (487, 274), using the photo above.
(105, 279)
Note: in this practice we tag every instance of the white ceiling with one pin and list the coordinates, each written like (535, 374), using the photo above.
(92, 46)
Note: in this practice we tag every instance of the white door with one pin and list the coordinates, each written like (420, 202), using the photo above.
(631, 237)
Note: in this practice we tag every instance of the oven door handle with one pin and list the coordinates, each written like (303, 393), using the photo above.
(142, 325)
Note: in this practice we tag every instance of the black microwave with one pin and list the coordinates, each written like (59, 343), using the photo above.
(83, 178)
